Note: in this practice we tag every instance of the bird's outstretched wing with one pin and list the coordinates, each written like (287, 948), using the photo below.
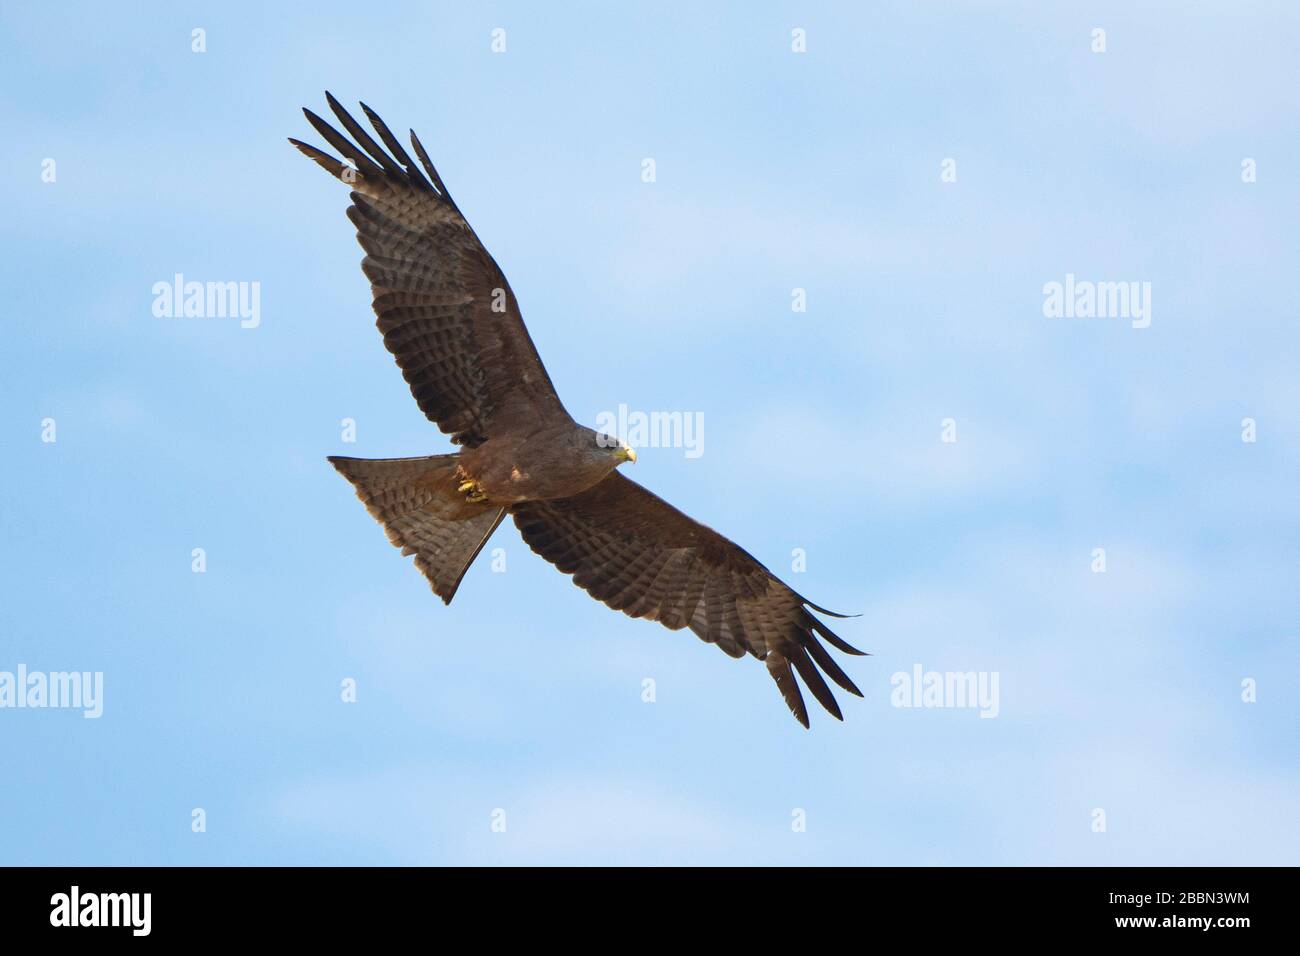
(445, 309)
(638, 554)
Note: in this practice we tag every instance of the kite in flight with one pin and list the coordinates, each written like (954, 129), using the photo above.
(454, 326)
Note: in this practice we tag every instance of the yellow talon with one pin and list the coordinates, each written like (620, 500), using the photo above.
(471, 490)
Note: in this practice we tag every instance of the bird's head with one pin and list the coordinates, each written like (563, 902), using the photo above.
(615, 449)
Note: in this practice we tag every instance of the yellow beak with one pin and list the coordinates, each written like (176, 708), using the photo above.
(627, 454)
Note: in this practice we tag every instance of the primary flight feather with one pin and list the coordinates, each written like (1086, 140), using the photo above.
(453, 324)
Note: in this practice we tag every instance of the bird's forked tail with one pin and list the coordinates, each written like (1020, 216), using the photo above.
(416, 501)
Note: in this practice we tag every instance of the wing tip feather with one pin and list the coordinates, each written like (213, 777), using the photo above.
(778, 666)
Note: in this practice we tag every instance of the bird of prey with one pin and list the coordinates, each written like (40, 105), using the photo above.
(453, 324)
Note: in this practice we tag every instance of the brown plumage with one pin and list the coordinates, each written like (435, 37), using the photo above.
(452, 323)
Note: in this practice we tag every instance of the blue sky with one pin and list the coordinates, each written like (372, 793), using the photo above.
(1119, 691)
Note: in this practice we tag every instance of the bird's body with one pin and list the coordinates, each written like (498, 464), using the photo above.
(452, 322)
(557, 460)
